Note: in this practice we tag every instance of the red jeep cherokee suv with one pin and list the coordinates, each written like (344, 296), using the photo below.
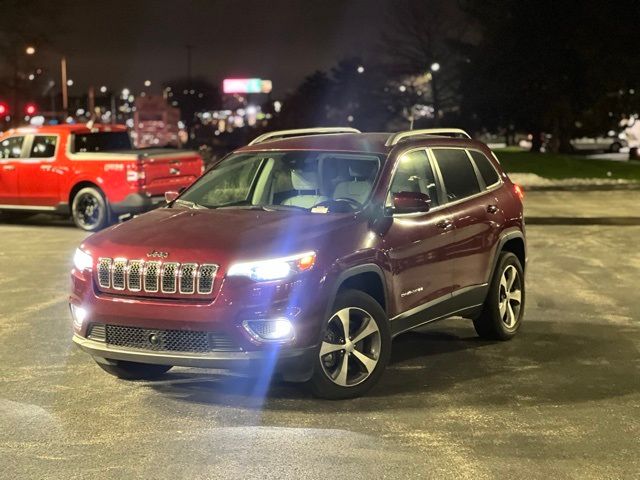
(303, 254)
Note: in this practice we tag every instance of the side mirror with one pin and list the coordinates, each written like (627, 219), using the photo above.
(170, 196)
(409, 202)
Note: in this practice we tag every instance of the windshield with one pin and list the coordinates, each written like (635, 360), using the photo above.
(101, 142)
(322, 181)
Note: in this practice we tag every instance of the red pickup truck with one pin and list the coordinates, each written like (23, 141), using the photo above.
(90, 172)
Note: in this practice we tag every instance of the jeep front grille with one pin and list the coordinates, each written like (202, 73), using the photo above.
(168, 340)
(155, 276)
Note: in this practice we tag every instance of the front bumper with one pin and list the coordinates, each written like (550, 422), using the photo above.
(292, 364)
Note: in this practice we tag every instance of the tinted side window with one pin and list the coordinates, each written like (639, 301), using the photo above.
(458, 174)
(489, 174)
(414, 174)
(11, 147)
(44, 146)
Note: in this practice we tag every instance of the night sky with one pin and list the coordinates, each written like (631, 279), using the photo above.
(122, 43)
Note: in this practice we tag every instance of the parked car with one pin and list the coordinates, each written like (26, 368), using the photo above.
(610, 143)
(90, 172)
(302, 255)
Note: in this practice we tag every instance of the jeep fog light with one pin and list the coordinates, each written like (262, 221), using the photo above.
(271, 330)
(78, 314)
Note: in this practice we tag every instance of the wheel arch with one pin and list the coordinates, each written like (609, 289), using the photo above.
(367, 278)
(511, 241)
(83, 184)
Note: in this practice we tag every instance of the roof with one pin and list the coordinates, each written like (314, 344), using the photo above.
(354, 142)
(71, 128)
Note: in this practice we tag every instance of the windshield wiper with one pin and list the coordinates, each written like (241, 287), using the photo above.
(189, 204)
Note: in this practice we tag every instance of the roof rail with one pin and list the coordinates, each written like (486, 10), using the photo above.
(301, 132)
(398, 137)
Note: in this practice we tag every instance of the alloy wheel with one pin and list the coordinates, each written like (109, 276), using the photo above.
(88, 210)
(351, 348)
(510, 296)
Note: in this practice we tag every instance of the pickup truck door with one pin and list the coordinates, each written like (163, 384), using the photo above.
(39, 173)
(11, 150)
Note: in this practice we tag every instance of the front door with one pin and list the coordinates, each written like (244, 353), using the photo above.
(11, 150)
(419, 245)
(38, 174)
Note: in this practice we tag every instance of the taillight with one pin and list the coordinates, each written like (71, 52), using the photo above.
(518, 190)
(135, 174)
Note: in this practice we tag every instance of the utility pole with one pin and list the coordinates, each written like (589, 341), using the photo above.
(65, 95)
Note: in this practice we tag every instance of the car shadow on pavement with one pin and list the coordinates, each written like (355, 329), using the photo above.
(548, 363)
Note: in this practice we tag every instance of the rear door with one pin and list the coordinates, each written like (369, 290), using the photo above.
(419, 245)
(11, 151)
(38, 173)
(169, 171)
(475, 211)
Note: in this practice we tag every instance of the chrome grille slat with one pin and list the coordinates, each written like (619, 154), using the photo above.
(206, 275)
(169, 274)
(134, 275)
(155, 276)
(187, 277)
(118, 273)
(104, 272)
(151, 275)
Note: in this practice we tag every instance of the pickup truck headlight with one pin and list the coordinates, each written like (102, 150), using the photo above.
(82, 260)
(274, 269)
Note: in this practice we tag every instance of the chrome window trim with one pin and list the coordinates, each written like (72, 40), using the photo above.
(499, 182)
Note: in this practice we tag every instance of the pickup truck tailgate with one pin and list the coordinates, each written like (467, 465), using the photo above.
(165, 171)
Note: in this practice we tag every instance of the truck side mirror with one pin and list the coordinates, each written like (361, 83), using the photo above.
(170, 196)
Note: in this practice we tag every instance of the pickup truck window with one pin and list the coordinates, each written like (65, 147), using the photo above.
(44, 146)
(100, 142)
(11, 147)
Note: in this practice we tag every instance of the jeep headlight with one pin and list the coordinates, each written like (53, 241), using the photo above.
(274, 269)
(82, 260)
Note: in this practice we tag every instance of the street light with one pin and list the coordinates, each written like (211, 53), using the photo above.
(147, 83)
(103, 89)
(70, 83)
(435, 66)
(360, 69)
(30, 50)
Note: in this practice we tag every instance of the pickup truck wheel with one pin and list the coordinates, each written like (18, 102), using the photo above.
(355, 349)
(90, 210)
(503, 309)
(134, 371)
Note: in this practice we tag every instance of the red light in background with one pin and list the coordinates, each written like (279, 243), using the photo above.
(4, 110)
(30, 109)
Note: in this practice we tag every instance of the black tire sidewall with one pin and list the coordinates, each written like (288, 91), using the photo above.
(104, 209)
(489, 323)
(323, 387)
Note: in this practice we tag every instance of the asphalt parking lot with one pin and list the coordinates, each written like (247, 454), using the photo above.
(562, 400)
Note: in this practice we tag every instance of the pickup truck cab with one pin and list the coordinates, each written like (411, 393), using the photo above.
(90, 172)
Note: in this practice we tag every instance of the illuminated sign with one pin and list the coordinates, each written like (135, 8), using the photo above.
(246, 85)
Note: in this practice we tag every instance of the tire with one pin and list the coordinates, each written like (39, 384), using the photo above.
(339, 367)
(502, 314)
(134, 370)
(615, 147)
(90, 210)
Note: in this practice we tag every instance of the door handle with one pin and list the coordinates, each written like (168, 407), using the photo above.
(492, 209)
(8, 168)
(445, 224)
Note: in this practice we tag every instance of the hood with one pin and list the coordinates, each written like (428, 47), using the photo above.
(219, 236)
